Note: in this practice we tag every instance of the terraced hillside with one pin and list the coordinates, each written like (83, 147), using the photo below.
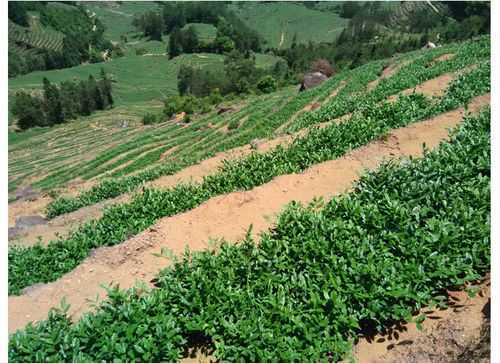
(324, 273)
(39, 37)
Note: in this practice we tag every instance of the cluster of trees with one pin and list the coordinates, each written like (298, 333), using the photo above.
(232, 32)
(240, 75)
(83, 37)
(63, 103)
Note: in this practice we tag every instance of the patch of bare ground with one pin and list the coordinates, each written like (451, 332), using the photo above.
(448, 335)
(166, 154)
(443, 58)
(386, 73)
(226, 216)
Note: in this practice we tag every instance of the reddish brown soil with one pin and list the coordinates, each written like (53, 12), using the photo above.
(227, 216)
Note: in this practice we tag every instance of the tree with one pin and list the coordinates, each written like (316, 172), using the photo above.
(153, 25)
(241, 71)
(53, 105)
(349, 9)
(69, 100)
(28, 110)
(106, 89)
(184, 79)
(189, 40)
(86, 102)
(95, 93)
(174, 45)
(223, 44)
(17, 13)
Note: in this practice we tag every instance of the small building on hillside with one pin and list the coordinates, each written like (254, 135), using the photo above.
(311, 80)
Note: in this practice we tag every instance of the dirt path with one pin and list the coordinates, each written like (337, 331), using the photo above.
(445, 335)
(227, 216)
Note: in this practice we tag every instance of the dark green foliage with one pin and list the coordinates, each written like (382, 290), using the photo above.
(52, 102)
(188, 104)
(174, 46)
(322, 274)
(29, 111)
(183, 41)
(62, 103)
(17, 13)
(81, 33)
(349, 9)
(267, 84)
(150, 118)
(232, 32)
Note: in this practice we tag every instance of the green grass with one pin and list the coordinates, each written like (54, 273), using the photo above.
(273, 19)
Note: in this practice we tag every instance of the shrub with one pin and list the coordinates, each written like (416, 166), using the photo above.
(150, 118)
(267, 84)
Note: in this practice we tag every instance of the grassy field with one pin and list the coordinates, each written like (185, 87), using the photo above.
(278, 22)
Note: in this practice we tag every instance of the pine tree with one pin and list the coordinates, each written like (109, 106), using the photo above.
(86, 103)
(95, 94)
(174, 46)
(53, 103)
(69, 99)
(106, 88)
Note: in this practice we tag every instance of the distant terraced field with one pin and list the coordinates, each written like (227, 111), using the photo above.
(38, 37)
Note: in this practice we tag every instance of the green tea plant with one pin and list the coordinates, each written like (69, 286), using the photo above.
(43, 264)
(111, 188)
(315, 282)
(420, 68)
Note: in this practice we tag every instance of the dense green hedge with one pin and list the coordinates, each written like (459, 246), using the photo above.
(322, 275)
